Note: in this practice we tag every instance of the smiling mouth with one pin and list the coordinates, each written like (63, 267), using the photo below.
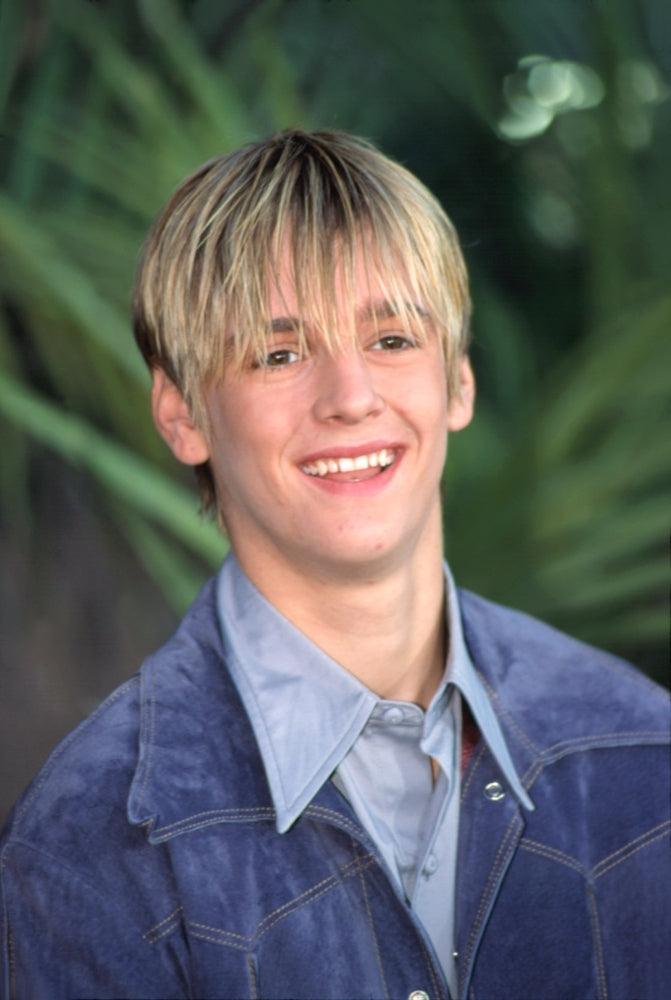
(351, 469)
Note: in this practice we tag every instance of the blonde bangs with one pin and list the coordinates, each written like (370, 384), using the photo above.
(202, 291)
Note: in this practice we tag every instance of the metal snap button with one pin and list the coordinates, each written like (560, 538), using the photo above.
(494, 791)
(419, 995)
(431, 865)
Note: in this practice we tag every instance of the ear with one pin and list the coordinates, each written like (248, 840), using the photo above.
(173, 422)
(460, 407)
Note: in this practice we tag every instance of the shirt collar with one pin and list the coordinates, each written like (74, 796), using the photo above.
(306, 710)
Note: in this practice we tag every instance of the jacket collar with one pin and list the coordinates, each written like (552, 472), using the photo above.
(182, 781)
(544, 688)
(307, 711)
(553, 694)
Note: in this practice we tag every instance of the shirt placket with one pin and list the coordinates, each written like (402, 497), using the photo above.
(433, 896)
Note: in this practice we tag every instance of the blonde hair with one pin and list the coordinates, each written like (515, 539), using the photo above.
(201, 289)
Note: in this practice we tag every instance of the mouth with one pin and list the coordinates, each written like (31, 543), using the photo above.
(353, 470)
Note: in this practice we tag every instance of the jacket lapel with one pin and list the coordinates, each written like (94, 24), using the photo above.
(183, 779)
(491, 819)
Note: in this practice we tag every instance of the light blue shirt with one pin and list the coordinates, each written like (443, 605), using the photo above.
(313, 720)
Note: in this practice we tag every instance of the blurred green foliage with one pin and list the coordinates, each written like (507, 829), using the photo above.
(545, 130)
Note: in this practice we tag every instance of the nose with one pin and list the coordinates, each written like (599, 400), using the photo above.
(346, 390)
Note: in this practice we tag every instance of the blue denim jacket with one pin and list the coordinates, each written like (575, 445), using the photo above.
(144, 861)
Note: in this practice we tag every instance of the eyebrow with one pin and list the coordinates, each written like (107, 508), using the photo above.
(378, 310)
(284, 324)
(384, 309)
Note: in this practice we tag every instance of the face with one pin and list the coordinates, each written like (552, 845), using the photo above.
(329, 463)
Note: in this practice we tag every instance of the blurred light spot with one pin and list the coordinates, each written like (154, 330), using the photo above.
(550, 84)
(528, 62)
(525, 121)
(516, 94)
(640, 81)
(635, 127)
(588, 87)
(542, 88)
(554, 220)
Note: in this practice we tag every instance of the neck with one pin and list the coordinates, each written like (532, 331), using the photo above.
(385, 628)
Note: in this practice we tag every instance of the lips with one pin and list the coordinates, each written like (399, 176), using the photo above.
(350, 467)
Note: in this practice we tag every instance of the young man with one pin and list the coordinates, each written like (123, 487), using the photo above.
(341, 777)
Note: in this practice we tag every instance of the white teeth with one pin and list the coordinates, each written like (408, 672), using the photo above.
(377, 459)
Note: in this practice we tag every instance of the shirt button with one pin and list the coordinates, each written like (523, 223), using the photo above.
(418, 995)
(393, 715)
(431, 864)
(494, 791)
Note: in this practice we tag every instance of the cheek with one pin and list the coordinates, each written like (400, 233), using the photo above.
(424, 404)
(230, 450)
(246, 456)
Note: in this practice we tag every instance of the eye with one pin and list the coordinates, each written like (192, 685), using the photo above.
(393, 342)
(280, 358)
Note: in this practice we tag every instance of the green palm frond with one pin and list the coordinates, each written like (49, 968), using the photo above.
(556, 494)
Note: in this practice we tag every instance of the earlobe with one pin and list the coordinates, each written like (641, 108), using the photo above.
(460, 407)
(174, 423)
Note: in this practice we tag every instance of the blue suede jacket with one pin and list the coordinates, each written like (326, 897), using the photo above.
(144, 861)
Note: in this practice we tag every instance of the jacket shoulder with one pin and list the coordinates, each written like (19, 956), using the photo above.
(86, 776)
(558, 684)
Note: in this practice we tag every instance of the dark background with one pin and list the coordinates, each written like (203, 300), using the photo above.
(545, 129)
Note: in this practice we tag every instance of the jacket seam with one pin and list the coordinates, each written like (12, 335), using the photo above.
(217, 935)
(346, 871)
(598, 944)
(616, 858)
(7, 937)
(490, 886)
(166, 932)
(583, 744)
(253, 983)
(369, 915)
(435, 985)
(151, 705)
(209, 817)
(613, 738)
(163, 927)
(327, 888)
(321, 812)
(633, 847)
(510, 719)
(553, 854)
